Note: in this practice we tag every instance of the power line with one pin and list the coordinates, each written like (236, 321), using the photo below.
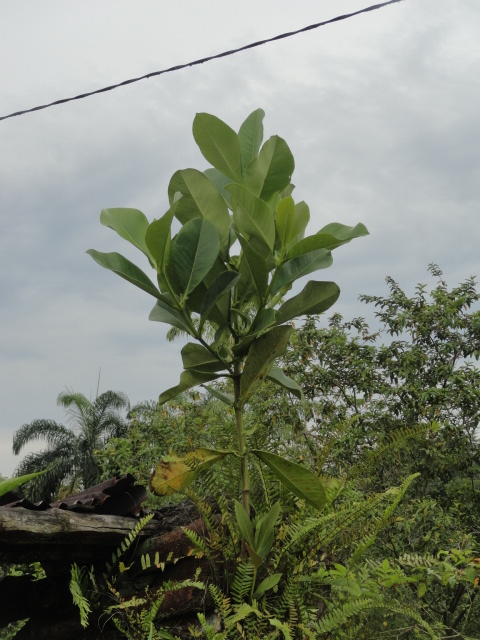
(224, 54)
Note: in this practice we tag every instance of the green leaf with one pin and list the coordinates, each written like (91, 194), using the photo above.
(219, 180)
(162, 312)
(285, 222)
(278, 376)
(244, 524)
(267, 584)
(8, 484)
(200, 198)
(219, 144)
(188, 380)
(194, 252)
(253, 269)
(337, 235)
(261, 356)
(272, 170)
(227, 398)
(252, 216)
(130, 224)
(158, 239)
(301, 481)
(315, 298)
(223, 283)
(302, 218)
(195, 356)
(127, 270)
(264, 537)
(251, 136)
(299, 267)
(344, 233)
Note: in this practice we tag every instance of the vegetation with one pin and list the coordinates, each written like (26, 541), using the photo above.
(367, 420)
(343, 461)
(69, 458)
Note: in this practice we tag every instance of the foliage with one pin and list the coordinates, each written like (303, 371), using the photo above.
(70, 454)
(8, 484)
(351, 426)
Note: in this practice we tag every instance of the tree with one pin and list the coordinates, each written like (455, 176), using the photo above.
(69, 457)
(205, 290)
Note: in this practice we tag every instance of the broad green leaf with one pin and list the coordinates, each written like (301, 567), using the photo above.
(227, 398)
(173, 473)
(261, 356)
(195, 356)
(265, 585)
(127, 270)
(285, 221)
(219, 311)
(200, 198)
(9, 484)
(315, 298)
(223, 283)
(301, 481)
(254, 264)
(264, 528)
(219, 180)
(271, 170)
(339, 234)
(299, 267)
(302, 218)
(163, 312)
(130, 224)
(251, 136)
(194, 252)
(244, 524)
(219, 144)
(279, 377)
(264, 318)
(252, 216)
(158, 239)
(345, 233)
(188, 380)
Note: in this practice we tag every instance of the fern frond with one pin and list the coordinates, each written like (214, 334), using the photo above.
(242, 582)
(77, 586)
(340, 616)
(127, 542)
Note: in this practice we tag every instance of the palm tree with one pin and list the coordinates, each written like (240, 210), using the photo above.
(69, 456)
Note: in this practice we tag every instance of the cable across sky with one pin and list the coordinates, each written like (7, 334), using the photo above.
(193, 63)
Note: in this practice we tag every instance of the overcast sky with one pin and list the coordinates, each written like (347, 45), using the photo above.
(381, 112)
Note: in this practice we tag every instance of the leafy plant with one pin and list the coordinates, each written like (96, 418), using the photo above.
(222, 280)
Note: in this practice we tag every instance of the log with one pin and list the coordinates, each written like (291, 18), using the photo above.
(58, 537)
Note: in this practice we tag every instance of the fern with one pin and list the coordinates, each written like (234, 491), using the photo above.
(77, 587)
(127, 543)
(242, 583)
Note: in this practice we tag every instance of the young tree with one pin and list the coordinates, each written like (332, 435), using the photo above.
(223, 278)
(69, 457)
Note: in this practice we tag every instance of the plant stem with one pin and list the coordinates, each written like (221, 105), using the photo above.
(241, 441)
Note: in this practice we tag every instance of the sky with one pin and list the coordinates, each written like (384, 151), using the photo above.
(380, 112)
